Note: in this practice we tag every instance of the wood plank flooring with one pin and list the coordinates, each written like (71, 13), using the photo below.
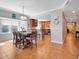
(44, 50)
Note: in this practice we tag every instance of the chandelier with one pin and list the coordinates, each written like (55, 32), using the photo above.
(23, 17)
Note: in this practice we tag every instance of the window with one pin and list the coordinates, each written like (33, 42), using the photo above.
(14, 25)
(14, 28)
(5, 28)
(23, 25)
(8, 26)
(5, 25)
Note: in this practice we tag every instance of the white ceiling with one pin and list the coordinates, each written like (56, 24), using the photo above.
(32, 7)
(73, 6)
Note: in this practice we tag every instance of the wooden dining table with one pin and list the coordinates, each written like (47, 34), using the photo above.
(28, 36)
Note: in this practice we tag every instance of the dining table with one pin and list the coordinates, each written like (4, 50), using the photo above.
(28, 36)
(24, 35)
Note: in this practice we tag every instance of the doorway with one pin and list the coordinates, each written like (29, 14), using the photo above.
(71, 27)
(45, 29)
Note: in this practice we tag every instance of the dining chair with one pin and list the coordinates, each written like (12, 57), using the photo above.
(34, 37)
(17, 39)
(14, 37)
(29, 40)
(25, 39)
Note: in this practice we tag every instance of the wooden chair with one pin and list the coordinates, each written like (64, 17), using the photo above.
(26, 40)
(17, 40)
(34, 37)
(14, 38)
(29, 40)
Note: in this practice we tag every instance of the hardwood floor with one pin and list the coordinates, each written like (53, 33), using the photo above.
(44, 50)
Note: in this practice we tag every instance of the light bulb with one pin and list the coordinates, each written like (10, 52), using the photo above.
(73, 11)
(23, 18)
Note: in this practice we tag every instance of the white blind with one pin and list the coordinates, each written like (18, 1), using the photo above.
(9, 26)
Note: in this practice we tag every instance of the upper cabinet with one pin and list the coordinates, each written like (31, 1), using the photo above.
(33, 23)
(45, 23)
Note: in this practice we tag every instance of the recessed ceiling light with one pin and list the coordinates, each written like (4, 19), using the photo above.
(73, 11)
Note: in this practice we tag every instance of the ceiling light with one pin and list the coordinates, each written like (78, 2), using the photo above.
(23, 17)
(73, 11)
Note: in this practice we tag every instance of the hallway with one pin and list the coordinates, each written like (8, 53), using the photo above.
(72, 45)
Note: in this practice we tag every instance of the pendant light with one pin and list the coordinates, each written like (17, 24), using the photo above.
(23, 17)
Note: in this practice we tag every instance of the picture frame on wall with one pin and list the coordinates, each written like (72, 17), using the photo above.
(56, 20)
